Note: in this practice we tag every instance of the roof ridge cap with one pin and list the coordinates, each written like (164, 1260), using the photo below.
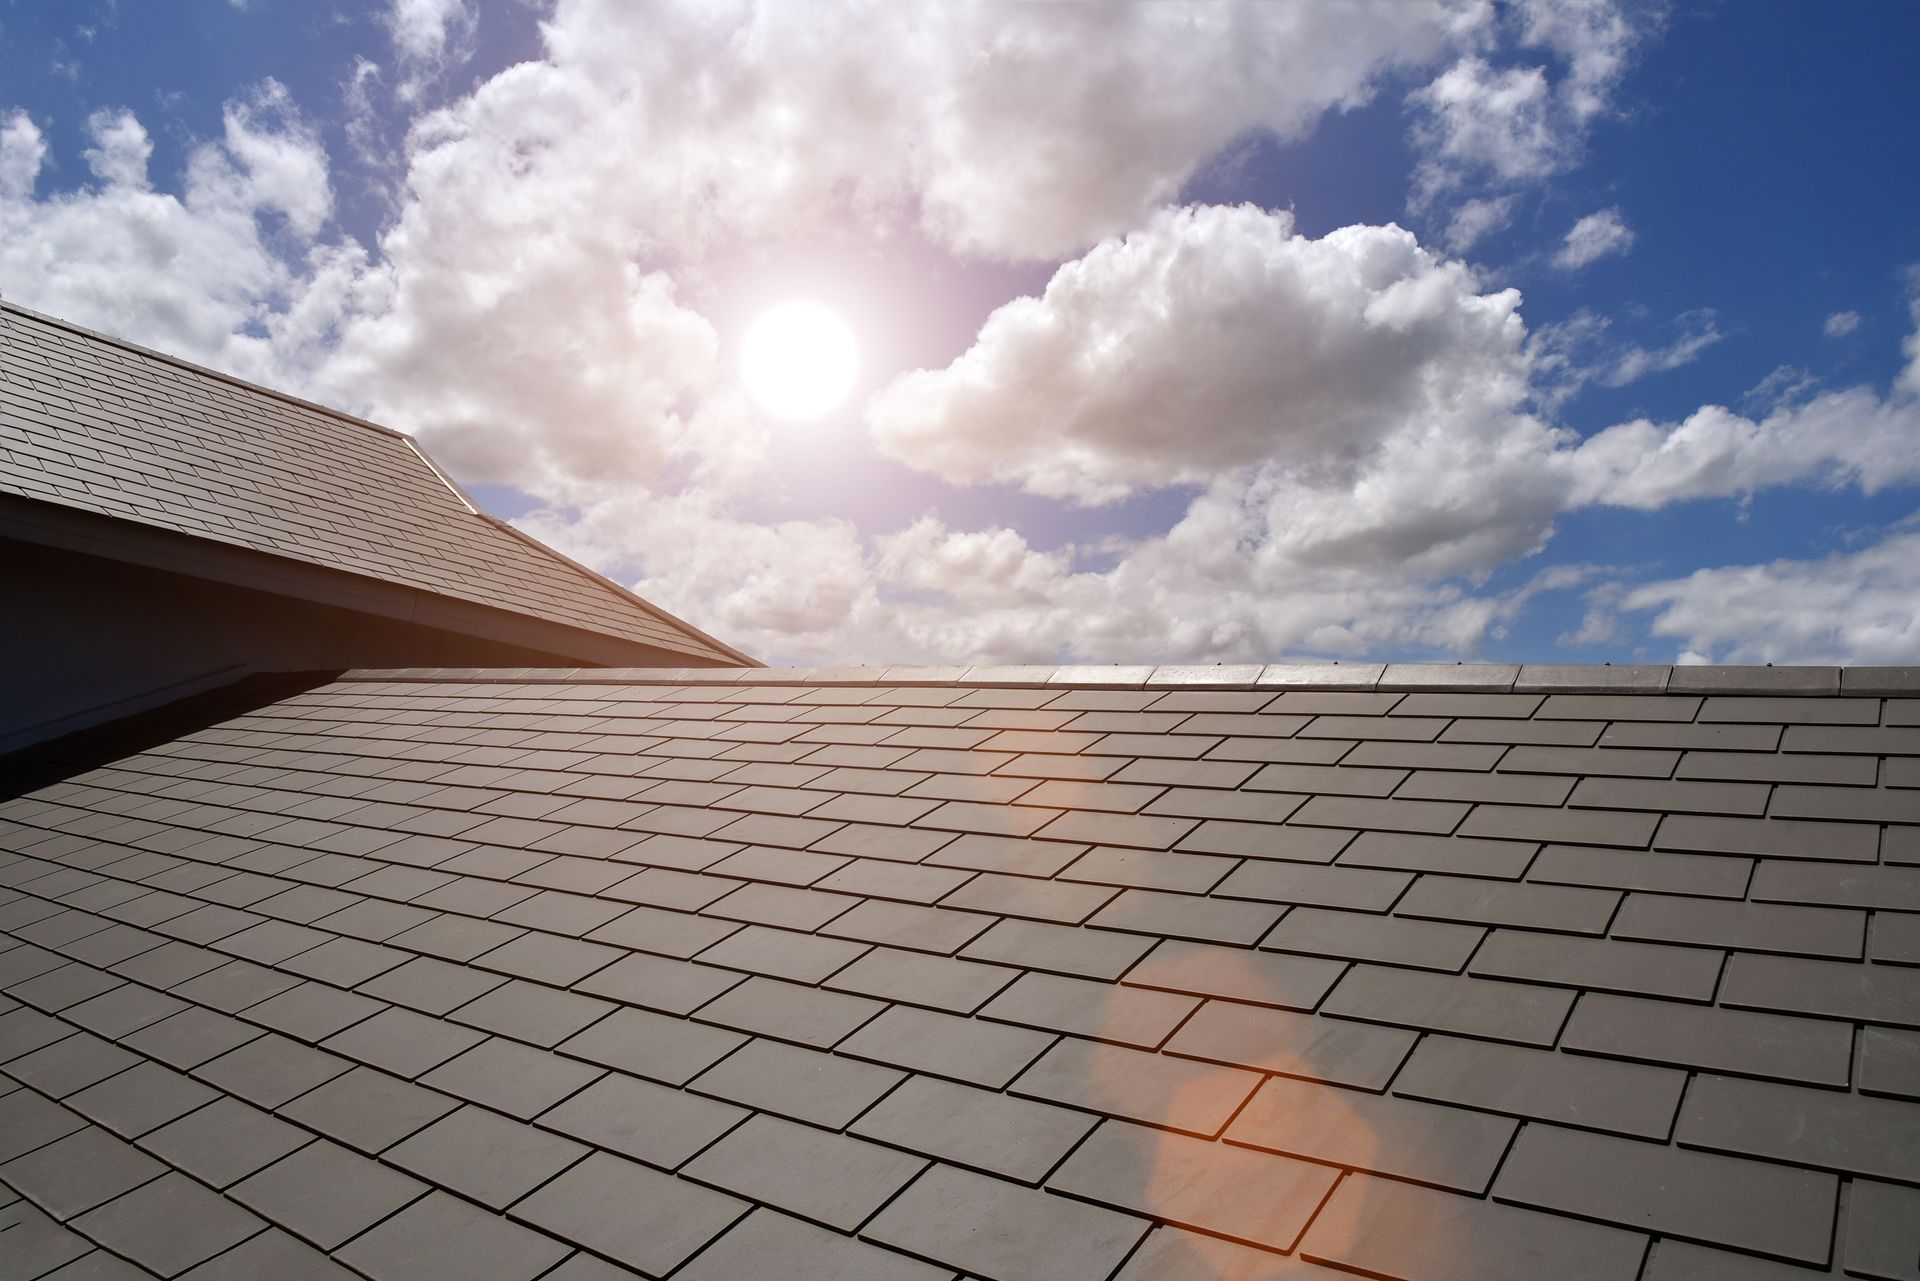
(1480, 678)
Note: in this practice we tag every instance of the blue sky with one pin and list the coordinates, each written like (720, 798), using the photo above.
(1558, 330)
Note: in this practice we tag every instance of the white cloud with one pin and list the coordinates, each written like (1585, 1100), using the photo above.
(1482, 118)
(1354, 411)
(1852, 437)
(23, 149)
(1213, 338)
(1851, 608)
(1594, 38)
(1841, 323)
(190, 272)
(816, 592)
(1024, 132)
(1479, 121)
(502, 318)
(1475, 220)
(120, 149)
(427, 34)
(1568, 355)
(1699, 331)
(1596, 236)
(1355, 414)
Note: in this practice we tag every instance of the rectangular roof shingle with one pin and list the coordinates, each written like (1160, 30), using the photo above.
(284, 981)
(97, 425)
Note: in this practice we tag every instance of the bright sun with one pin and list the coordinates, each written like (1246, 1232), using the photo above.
(799, 360)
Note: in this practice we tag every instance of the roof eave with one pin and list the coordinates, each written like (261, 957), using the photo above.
(53, 524)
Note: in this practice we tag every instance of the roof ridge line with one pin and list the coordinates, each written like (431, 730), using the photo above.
(1452, 678)
(56, 322)
(444, 479)
(600, 580)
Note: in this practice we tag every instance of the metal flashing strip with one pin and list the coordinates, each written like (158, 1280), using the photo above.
(433, 467)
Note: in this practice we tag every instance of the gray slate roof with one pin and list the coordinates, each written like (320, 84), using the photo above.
(94, 424)
(1021, 974)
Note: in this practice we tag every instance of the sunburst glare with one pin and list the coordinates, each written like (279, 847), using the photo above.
(799, 360)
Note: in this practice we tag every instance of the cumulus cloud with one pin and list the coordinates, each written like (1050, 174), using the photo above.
(187, 272)
(1852, 608)
(423, 29)
(1484, 121)
(429, 36)
(1496, 120)
(1023, 132)
(1352, 410)
(1475, 220)
(527, 311)
(1359, 420)
(1836, 439)
(1596, 236)
(816, 592)
(1851, 436)
(1841, 323)
(22, 151)
(1212, 338)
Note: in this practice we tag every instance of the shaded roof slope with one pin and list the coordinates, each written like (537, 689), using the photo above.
(95, 424)
(917, 974)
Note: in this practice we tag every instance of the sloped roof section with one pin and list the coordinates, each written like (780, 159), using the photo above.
(1016, 974)
(98, 425)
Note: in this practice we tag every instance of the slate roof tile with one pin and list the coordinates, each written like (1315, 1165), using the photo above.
(442, 1238)
(1237, 1192)
(169, 1225)
(513, 1078)
(27, 1122)
(1330, 1050)
(1198, 1098)
(634, 1215)
(1175, 1254)
(1889, 1062)
(1766, 1208)
(71, 1175)
(1622, 1098)
(1883, 1230)
(641, 1119)
(1820, 1128)
(1036, 1237)
(368, 1110)
(767, 1243)
(1427, 1143)
(974, 1050)
(484, 1156)
(1360, 996)
(1367, 936)
(325, 1193)
(1786, 1048)
(1608, 965)
(830, 1178)
(36, 1243)
(656, 1046)
(140, 1099)
(792, 1081)
(1124, 1015)
(1402, 1230)
(996, 1133)
(1444, 1003)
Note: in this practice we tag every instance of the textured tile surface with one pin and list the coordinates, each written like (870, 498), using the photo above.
(566, 976)
(90, 423)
